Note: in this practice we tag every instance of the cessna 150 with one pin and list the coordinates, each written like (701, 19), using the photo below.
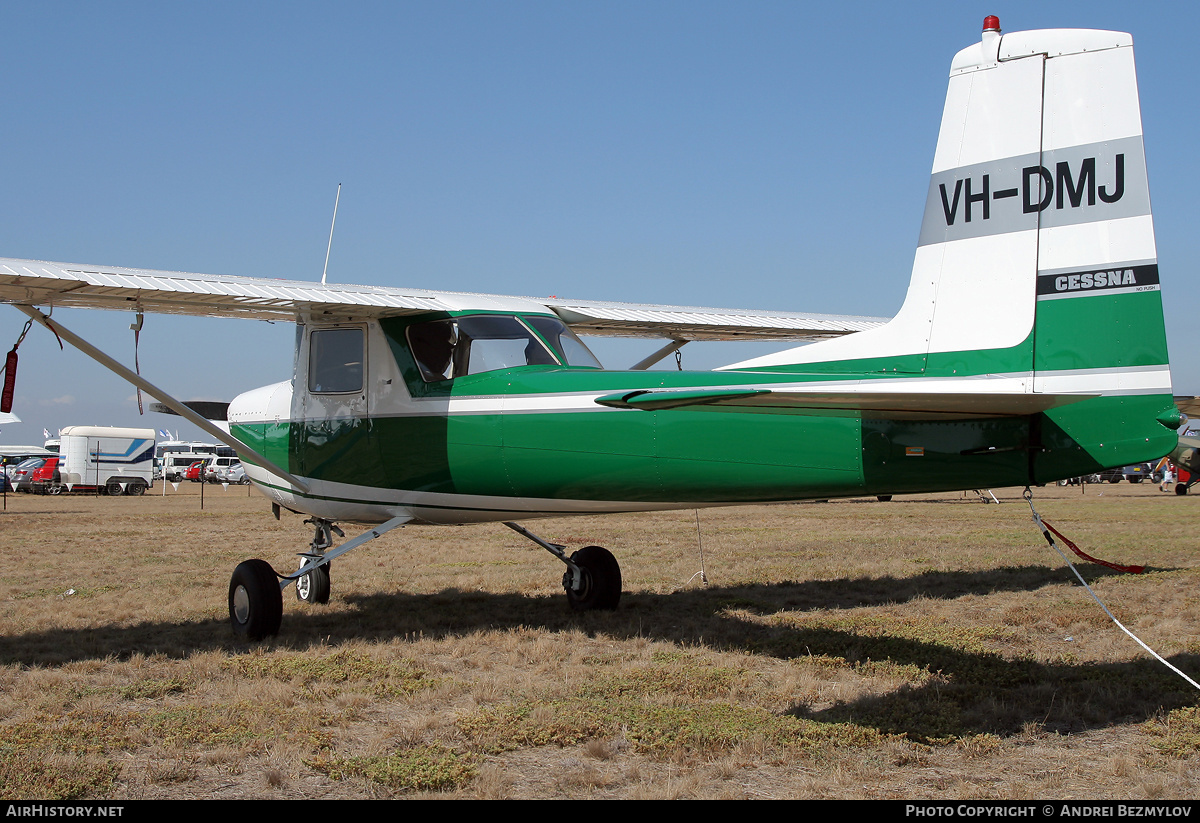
(422, 407)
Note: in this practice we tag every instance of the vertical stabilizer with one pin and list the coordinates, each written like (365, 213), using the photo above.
(1037, 239)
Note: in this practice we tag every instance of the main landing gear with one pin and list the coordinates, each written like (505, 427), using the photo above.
(592, 579)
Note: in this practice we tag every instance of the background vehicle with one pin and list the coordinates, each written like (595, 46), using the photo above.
(1075, 481)
(13, 456)
(234, 474)
(216, 465)
(46, 479)
(109, 459)
(195, 471)
(1134, 473)
(22, 476)
(173, 457)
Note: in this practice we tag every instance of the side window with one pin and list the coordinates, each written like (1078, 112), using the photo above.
(335, 361)
(432, 346)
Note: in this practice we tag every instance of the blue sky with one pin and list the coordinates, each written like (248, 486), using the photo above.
(752, 155)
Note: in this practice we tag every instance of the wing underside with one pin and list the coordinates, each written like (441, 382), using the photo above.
(47, 284)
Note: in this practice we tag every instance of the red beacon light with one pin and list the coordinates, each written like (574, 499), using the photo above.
(991, 23)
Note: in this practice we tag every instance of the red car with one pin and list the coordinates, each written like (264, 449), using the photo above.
(45, 479)
(195, 471)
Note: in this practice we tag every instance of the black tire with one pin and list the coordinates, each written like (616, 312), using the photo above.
(1116, 479)
(314, 587)
(1135, 480)
(1181, 488)
(255, 601)
(245, 481)
(601, 580)
(883, 498)
(113, 488)
(136, 488)
(54, 488)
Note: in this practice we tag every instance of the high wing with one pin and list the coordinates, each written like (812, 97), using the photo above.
(70, 285)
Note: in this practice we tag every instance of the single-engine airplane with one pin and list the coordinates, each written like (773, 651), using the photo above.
(423, 407)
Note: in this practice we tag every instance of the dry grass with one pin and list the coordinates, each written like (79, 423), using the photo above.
(931, 647)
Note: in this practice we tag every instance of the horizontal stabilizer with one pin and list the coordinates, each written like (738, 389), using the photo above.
(657, 400)
(208, 409)
(885, 405)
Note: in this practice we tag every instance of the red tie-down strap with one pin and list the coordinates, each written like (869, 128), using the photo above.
(10, 381)
(1114, 566)
(10, 372)
(1046, 528)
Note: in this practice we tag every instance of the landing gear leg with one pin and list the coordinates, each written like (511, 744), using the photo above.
(593, 576)
(314, 586)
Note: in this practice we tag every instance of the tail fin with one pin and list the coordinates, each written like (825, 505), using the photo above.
(1036, 257)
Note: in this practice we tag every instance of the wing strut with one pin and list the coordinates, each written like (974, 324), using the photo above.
(158, 394)
(673, 346)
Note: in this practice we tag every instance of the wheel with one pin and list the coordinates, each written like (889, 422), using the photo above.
(314, 586)
(1135, 479)
(1116, 479)
(1063, 482)
(255, 601)
(1181, 488)
(601, 580)
(113, 488)
(883, 498)
(135, 489)
(54, 488)
(245, 481)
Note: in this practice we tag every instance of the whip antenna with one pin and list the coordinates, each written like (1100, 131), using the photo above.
(331, 225)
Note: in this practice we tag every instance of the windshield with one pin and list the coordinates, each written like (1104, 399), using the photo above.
(445, 349)
(570, 349)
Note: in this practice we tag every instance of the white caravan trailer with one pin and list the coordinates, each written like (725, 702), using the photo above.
(112, 460)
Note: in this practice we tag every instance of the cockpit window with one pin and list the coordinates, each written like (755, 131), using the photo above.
(335, 361)
(445, 349)
(566, 345)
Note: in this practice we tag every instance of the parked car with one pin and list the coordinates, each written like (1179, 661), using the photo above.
(22, 478)
(236, 474)
(46, 478)
(195, 471)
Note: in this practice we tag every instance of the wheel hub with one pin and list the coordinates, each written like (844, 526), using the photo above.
(241, 604)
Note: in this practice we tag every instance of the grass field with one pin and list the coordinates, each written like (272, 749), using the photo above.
(929, 647)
